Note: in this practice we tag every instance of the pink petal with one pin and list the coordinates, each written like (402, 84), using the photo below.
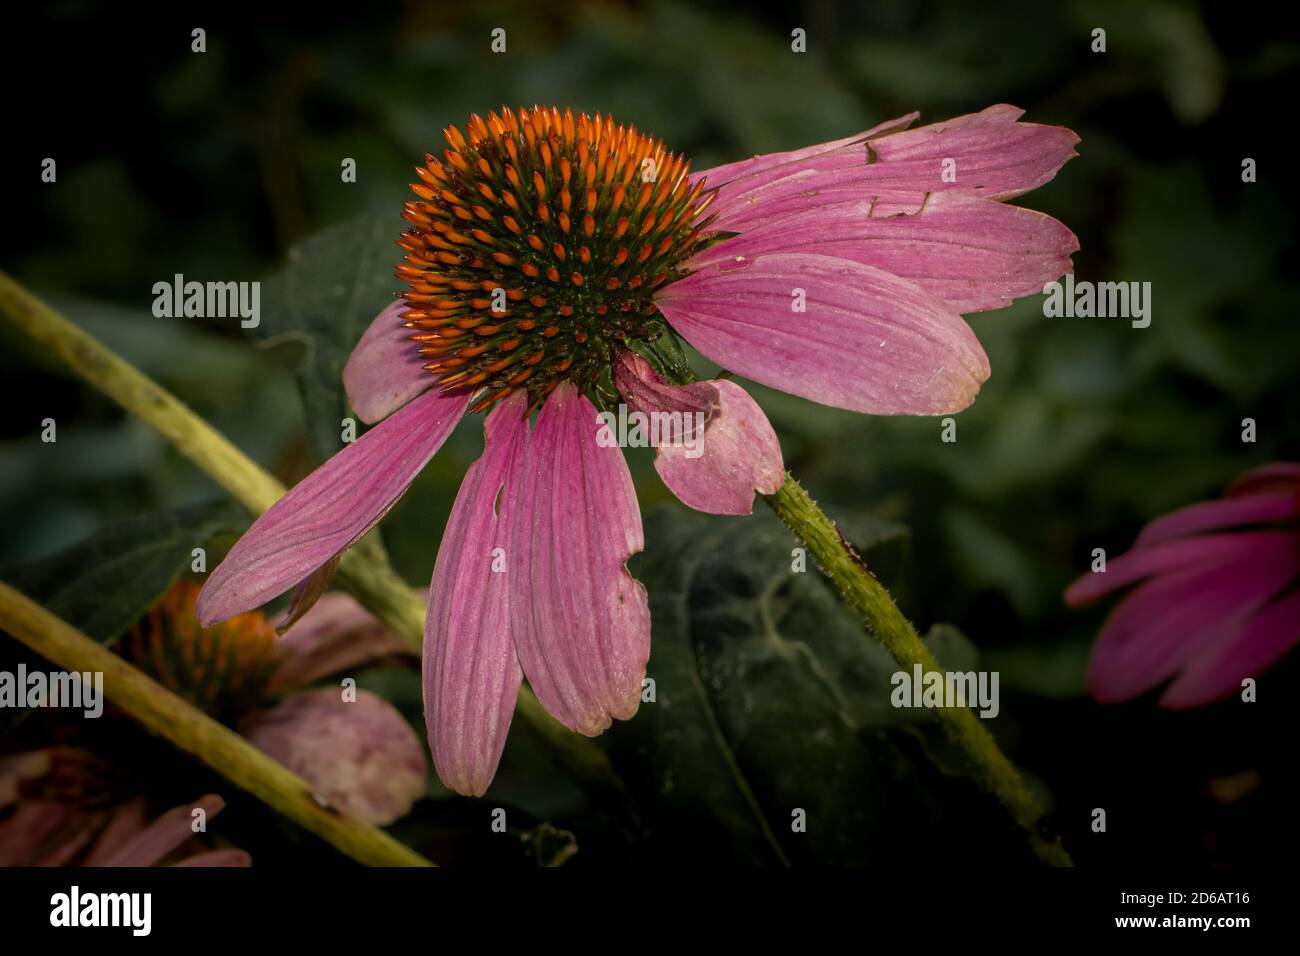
(1280, 476)
(994, 157)
(581, 622)
(126, 821)
(385, 370)
(165, 834)
(307, 593)
(736, 455)
(729, 172)
(1216, 515)
(868, 341)
(336, 634)
(969, 252)
(360, 755)
(471, 671)
(1177, 617)
(330, 509)
(1161, 558)
(1260, 643)
(27, 829)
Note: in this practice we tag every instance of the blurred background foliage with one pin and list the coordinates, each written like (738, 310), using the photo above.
(216, 165)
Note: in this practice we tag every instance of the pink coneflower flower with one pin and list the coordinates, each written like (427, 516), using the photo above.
(354, 748)
(1215, 600)
(548, 254)
(52, 813)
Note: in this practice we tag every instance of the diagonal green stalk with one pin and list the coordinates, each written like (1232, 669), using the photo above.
(367, 576)
(195, 732)
(363, 571)
(868, 596)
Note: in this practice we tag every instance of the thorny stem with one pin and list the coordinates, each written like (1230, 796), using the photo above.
(363, 572)
(845, 568)
(193, 731)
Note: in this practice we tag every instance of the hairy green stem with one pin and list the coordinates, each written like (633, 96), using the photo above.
(868, 596)
(195, 732)
(363, 571)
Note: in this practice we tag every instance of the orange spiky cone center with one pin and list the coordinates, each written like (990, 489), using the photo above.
(223, 669)
(536, 246)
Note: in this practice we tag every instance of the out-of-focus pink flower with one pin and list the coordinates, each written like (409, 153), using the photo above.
(352, 746)
(547, 255)
(1214, 596)
(42, 823)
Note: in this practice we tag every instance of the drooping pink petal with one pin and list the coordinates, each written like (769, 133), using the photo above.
(471, 671)
(385, 370)
(719, 466)
(330, 509)
(969, 252)
(27, 829)
(1278, 477)
(867, 340)
(1175, 618)
(75, 836)
(581, 622)
(361, 755)
(308, 591)
(1259, 644)
(1162, 558)
(127, 821)
(1220, 514)
(336, 634)
(729, 172)
(165, 834)
(991, 156)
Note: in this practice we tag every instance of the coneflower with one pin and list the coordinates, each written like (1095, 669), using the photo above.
(550, 259)
(356, 750)
(1211, 598)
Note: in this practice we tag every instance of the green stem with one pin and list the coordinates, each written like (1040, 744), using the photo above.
(363, 571)
(195, 732)
(868, 596)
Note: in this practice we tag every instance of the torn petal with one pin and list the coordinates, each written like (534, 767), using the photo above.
(971, 253)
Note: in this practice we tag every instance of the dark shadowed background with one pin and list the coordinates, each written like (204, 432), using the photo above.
(214, 165)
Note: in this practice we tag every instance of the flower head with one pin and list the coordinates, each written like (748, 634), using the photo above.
(552, 261)
(1214, 596)
(537, 246)
(55, 810)
(356, 750)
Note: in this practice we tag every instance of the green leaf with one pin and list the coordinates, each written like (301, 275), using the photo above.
(333, 286)
(770, 698)
(105, 584)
